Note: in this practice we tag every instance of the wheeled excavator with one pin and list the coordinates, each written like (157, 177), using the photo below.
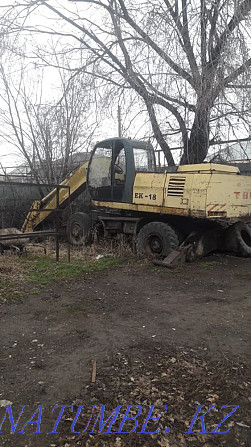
(191, 209)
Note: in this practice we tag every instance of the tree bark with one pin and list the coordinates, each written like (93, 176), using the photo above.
(198, 143)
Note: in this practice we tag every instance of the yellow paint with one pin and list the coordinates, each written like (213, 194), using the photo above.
(205, 190)
(149, 189)
(209, 168)
(75, 180)
(231, 194)
(143, 208)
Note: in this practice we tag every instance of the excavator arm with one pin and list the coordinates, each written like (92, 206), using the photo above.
(41, 209)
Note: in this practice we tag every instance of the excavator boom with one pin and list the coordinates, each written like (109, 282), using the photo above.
(41, 209)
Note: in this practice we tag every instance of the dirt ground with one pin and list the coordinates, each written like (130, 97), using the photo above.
(179, 338)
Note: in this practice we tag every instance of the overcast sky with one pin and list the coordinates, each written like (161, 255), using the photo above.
(108, 128)
(9, 156)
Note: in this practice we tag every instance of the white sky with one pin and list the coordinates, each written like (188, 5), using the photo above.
(8, 155)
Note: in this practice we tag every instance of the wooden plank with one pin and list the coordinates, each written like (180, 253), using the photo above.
(94, 371)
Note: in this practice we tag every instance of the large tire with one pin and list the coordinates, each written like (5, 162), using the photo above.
(156, 240)
(238, 239)
(79, 229)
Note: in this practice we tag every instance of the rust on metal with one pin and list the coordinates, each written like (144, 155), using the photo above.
(176, 257)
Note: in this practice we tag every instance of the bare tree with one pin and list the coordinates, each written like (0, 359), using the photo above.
(185, 59)
(46, 131)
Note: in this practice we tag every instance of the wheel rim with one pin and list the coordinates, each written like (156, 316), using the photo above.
(246, 237)
(190, 254)
(77, 231)
(154, 244)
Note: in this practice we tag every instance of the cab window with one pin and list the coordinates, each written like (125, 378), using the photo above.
(100, 168)
(142, 160)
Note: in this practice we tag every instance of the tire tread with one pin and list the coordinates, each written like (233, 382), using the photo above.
(159, 227)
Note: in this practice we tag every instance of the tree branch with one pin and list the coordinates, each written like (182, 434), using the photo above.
(185, 36)
(241, 13)
(179, 70)
(232, 77)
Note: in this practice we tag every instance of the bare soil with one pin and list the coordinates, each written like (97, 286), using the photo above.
(173, 337)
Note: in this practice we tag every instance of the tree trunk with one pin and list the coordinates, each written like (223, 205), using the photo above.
(198, 143)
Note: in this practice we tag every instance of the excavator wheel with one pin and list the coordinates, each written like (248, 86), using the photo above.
(156, 240)
(238, 239)
(79, 229)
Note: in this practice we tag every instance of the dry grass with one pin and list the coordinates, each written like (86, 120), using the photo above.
(34, 269)
(12, 278)
(118, 247)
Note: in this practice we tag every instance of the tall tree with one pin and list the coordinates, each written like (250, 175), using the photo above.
(188, 61)
(46, 129)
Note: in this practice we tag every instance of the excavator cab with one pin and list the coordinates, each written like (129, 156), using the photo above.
(113, 166)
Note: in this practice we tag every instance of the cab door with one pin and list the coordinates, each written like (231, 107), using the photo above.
(107, 172)
(99, 173)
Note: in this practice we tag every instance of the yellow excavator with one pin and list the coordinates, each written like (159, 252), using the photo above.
(190, 209)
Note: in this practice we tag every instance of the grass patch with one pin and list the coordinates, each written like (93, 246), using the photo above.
(209, 265)
(21, 276)
(44, 270)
